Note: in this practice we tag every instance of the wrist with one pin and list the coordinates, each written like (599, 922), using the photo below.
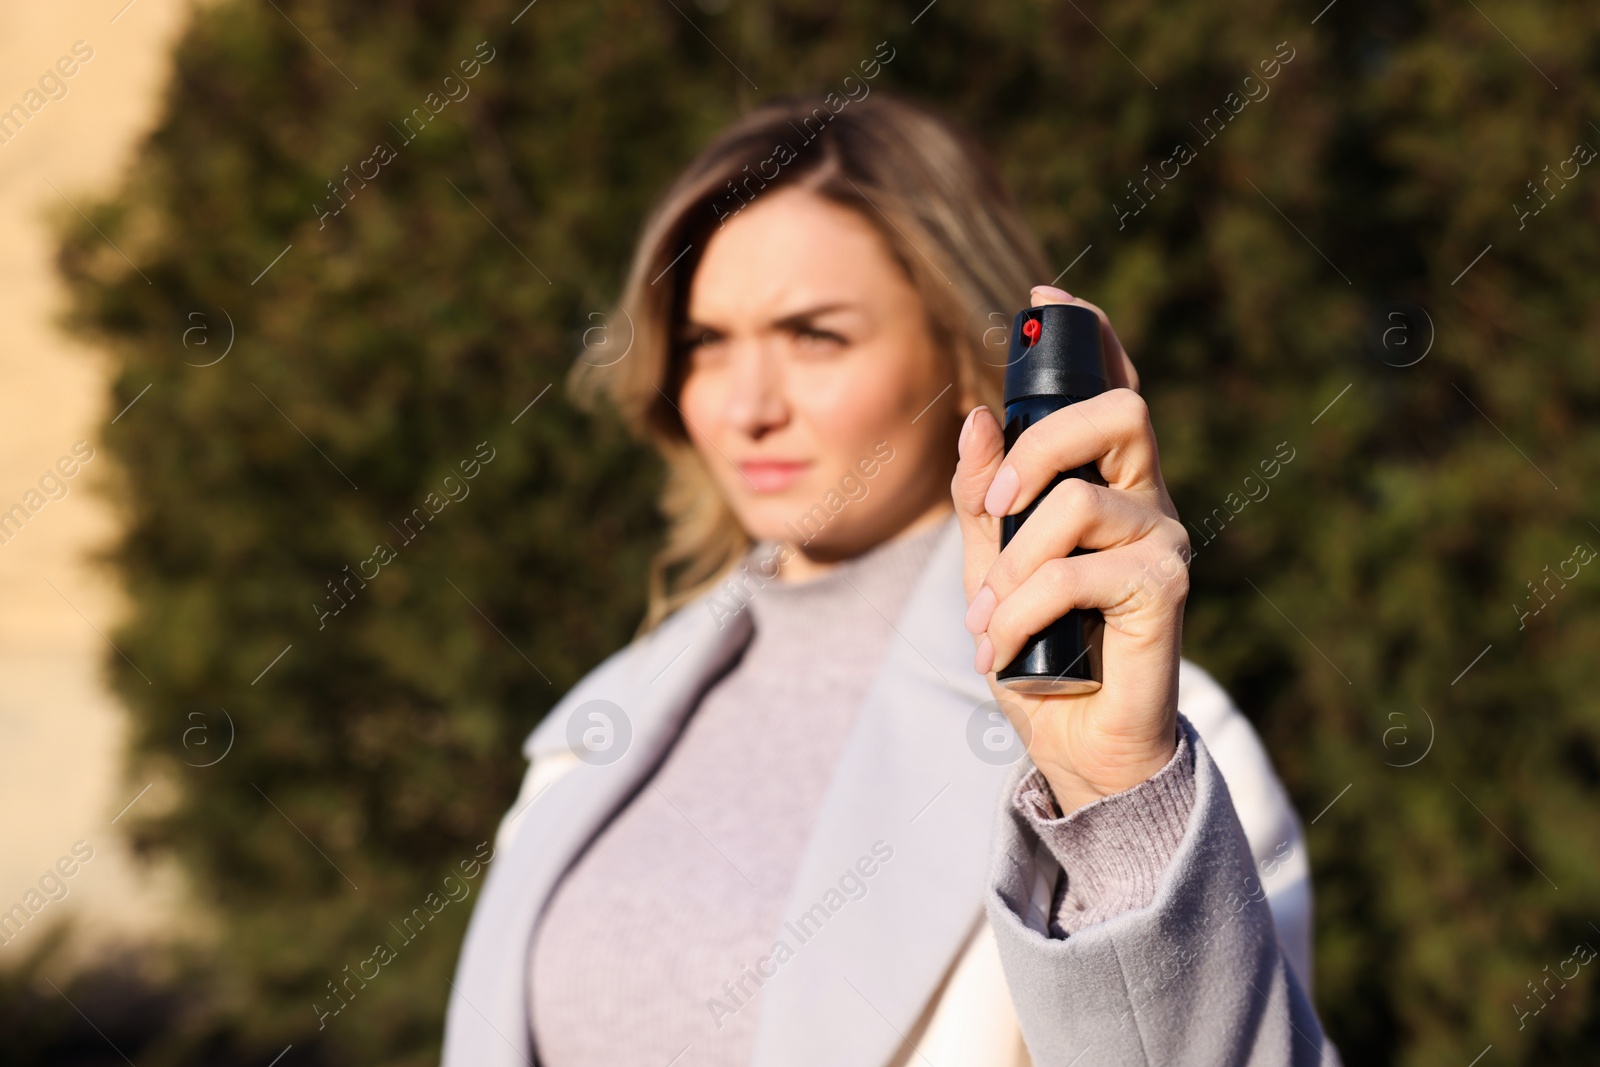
(1076, 788)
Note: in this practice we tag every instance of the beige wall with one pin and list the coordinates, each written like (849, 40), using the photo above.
(61, 731)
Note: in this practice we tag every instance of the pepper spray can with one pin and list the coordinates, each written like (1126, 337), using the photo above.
(1055, 360)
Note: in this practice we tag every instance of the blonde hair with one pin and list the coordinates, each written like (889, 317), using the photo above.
(943, 212)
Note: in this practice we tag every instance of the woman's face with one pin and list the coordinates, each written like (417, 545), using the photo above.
(813, 389)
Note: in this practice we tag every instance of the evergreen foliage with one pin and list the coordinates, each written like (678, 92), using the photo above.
(1254, 289)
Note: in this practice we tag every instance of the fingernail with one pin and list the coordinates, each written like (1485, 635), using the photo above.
(1052, 291)
(1002, 491)
(966, 428)
(984, 660)
(978, 613)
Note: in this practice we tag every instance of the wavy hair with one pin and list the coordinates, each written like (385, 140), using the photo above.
(927, 188)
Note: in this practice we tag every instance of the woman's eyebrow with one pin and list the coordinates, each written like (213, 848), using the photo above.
(692, 330)
(805, 315)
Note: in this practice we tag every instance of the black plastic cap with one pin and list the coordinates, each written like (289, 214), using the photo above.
(1066, 359)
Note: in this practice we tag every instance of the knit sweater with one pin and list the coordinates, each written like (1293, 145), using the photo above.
(642, 952)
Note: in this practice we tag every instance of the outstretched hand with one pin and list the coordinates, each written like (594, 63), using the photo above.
(1094, 744)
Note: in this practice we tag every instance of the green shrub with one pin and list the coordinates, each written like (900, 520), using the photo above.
(452, 289)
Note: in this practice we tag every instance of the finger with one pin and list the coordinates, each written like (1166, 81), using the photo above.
(1119, 366)
(982, 447)
(1137, 585)
(1111, 430)
(1075, 514)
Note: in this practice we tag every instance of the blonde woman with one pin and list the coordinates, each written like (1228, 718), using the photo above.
(795, 820)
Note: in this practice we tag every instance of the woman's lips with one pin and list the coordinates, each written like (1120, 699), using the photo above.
(771, 476)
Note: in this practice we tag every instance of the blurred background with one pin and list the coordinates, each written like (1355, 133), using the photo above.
(273, 269)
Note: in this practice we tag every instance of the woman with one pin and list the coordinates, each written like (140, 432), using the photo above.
(791, 822)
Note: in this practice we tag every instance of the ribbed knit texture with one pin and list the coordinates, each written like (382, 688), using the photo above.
(1115, 850)
(667, 912)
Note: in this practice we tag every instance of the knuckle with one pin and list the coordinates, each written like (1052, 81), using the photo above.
(1004, 574)
(968, 488)
(1178, 538)
(1178, 585)
(1130, 406)
(1167, 570)
(1057, 576)
(1075, 497)
(1030, 448)
(1020, 615)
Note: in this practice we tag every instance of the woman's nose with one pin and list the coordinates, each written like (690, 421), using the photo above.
(756, 403)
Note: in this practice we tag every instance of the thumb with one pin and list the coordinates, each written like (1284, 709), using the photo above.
(982, 447)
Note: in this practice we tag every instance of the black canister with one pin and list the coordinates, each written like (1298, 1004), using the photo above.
(1055, 360)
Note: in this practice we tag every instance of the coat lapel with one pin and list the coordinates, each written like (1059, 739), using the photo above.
(869, 950)
(655, 683)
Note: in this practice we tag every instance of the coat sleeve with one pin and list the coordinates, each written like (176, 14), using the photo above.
(1265, 812)
(1195, 975)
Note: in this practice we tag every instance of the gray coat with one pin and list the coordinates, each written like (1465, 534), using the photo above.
(1196, 978)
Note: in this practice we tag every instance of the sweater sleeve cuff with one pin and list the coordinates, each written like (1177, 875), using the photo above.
(1114, 851)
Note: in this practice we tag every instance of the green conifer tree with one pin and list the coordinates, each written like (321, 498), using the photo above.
(1371, 367)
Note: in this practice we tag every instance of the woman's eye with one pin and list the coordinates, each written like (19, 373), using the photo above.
(819, 340)
(701, 347)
